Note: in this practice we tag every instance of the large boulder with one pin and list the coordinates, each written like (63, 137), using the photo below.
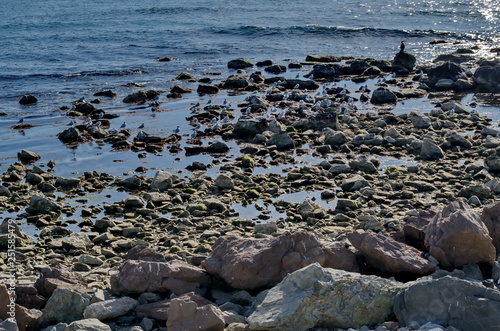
(90, 324)
(329, 298)
(382, 95)
(141, 96)
(239, 64)
(404, 62)
(445, 70)
(488, 78)
(319, 121)
(64, 306)
(323, 71)
(25, 318)
(42, 205)
(247, 126)
(341, 258)
(419, 120)
(136, 277)
(462, 304)
(236, 81)
(430, 151)
(456, 236)
(163, 180)
(390, 257)
(26, 156)
(246, 263)
(491, 218)
(282, 141)
(57, 276)
(186, 314)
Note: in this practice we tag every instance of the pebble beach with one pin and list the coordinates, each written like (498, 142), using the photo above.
(326, 194)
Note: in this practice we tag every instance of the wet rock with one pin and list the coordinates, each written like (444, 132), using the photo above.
(282, 141)
(298, 302)
(69, 135)
(90, 324)
(247, 126)
(109, 309)
(145, 254)
(335, 138)
(341, 258)
(133, 202)
(26, 156)
(186, 314)
(487, 78)
(236, 81)
(276, 69)
(28, 99)
(459, 303)
(322, 58)
(445, 70)
(301, 84)
(389, 256)
(419, 120)
(25, 318)
(207, 89)
(4, 191)
(318, 122)
(491, 218)
(130, 183)
(264, 63)
(444, 84)
(67, 183)
(218, 147)
(493, 164)
(135, 277)
(323, 71)
(382, 96)
(141, 96)
(224, 182)
(430, 151)
(361, 163)
(404, 62)
(64, 306)
(8, 325)
(76, 241)
(479, 190)
(336, 169)
(58, 276)
(41, 205)
(185, 76)
(163, 180)
(354, 183)
(456, 236)
(106, 93)
(239, 64)
(246, 263)
(457, 140)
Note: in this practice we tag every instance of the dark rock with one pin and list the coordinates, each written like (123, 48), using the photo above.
(282, 141)
(185, 76)
(28, 99)
(42, 205)
(488, 78)
(85, 108)
(164, 59)
(382, 95)
(322, 58)
(26, 319)
(239, 64)
(235, 81)
(26, 156)
(302, 84)
(323, 71)
(58, 276)
(445, 70)
(491, 218)
(341, 258)
(69, 135)
(276, 69)
(218, 147)
(106, 93)
(64, 306)
(207, 89)
(141, 96)
(404, 62)
(246, 263)
(265, 63)
(248, 126)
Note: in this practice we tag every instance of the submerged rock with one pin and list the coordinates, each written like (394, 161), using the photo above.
(329, 298)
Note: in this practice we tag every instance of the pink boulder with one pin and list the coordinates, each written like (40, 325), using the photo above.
(389, 256)
(58, 276)
(26, 319)
(135, 277)
(491, 218)
(342, 258)
(246, 263)
(187, 314)
(457, 236)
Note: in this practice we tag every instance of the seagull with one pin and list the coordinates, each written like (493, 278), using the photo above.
(194, 120)
(250, 80)
(113, 131)
(298, 75)
(209, 102)
(177, 129)
(213, 120)
(196, 105)
(226, 119)
(82, 99)
(21, 120)
(248, 110)
(197, 127)
(193, 135)
(141, 126)
(296, 86)
(97, 124)
(71, 123)
(225, 102)
(124, 125)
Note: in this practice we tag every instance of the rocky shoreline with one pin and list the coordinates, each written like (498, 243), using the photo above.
(398, 247)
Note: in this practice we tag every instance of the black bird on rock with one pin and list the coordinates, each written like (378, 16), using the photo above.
(402, 47)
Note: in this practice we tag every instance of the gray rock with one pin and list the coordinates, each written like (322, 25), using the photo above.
(8, 325)
(67, 183)
(281, 140)
(323, 71)
(77, 241)
(419, 120)
(488, 78)
(224, 182)
(26, 156)
(316, 296)
(404, 62)
(457, 140)
(354, 183)
(57, 327)
(459, 303)
(444, 84)
(239, 64)
(361, 163)
(235, 81)
(4, 191)
(110, 308)
(64, 306)
(335, 138)
(247, 126)
(163, 180)
(445, 70)
(336, 169)
(90, 324)
(133, 202)
(430, 151)
(39, 204)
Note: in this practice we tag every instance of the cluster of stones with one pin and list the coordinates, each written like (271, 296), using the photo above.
(175, 255)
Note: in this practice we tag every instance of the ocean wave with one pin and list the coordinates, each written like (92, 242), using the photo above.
(77, 74)
(337, 31)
